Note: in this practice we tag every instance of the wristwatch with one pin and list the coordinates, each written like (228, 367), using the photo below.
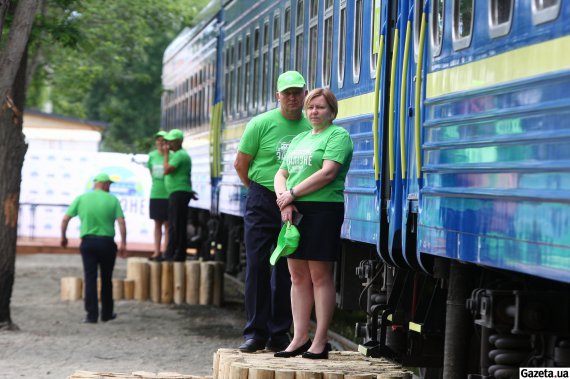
(292, 192)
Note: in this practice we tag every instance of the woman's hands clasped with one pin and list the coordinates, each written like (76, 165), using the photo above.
(284, 199)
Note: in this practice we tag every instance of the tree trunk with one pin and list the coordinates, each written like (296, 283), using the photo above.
(13, 50)
(12, 151)
(3, 8)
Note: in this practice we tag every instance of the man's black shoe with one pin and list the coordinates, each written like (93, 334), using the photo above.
(251, 346)
(113, 316)
(88, 321)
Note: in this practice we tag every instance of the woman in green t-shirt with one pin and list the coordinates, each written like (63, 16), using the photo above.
(310, 181)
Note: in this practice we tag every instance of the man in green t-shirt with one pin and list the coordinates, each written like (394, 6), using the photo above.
(260, 152)
(158, 205)
(177, 170)
(98, 211)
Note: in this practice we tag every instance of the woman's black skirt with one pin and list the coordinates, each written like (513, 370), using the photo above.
(320, 230)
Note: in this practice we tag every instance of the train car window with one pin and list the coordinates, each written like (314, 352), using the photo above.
(227, 85)
(287, 40)
(265, 63)
(313, 44)
(256, 67)
(436, 26)
(418, 10)
(231, 83)
(500, 17)
(357, 41)
(247, 74)
(275, 55)
(299, 36)
(545, 10)
(238, 90)
(376, 23)
(342, 43)
(462, 23)
(327, 45)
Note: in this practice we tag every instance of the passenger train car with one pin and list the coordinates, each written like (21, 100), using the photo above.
(456, 239)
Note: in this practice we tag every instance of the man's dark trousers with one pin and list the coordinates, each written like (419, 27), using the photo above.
(268, 307)
(98, 252)
(177, 223)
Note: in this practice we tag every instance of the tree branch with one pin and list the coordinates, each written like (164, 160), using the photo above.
(11, 54)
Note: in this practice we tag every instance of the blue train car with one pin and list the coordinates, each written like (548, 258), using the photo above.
(457, 219)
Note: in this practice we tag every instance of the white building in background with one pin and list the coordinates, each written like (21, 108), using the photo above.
(62, 159)
(45, 131)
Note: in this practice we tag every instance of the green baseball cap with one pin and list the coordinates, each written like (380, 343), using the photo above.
(287, 242)
(174, 134)
(290, 79)
(102, 178)
(160, 133)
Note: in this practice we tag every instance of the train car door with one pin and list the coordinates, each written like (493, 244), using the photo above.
(394, 202)
(409, 121)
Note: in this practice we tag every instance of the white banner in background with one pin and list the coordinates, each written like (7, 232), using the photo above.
(51, 180)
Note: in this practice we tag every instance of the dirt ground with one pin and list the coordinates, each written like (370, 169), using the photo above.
(53, 343)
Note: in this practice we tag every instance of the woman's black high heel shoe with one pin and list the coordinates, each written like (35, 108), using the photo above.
(322, 355)
(300, 350)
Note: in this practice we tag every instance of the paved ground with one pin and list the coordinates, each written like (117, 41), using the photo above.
(52, 343)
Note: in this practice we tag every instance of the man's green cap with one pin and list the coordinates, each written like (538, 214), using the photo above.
(287, 242)
(290, 79)
(161, 133)
(102, 178)
(174, 134)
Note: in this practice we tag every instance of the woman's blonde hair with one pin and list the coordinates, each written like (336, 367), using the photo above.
(329, 97)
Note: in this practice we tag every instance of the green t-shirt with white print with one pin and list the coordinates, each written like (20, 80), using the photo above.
(306, 154)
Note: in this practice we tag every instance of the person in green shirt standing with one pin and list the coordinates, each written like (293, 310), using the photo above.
(311, 181)
(158, 205)
(98, 211)
(177, 170)
(260, 152)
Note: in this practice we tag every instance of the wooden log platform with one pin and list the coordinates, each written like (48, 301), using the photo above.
(133, 375)
(232, 364)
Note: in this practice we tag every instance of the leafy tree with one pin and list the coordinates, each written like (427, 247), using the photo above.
(98, 60)
(112, 72)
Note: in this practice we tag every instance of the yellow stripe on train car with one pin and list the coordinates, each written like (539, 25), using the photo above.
(233, 132)
(525, 62)
(356, 106)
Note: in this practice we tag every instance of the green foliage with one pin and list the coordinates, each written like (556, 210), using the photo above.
(103, 61)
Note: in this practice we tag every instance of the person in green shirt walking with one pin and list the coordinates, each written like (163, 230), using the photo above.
(260, 152)
(158, 205)
(98, 211)
(177, 171)
(311, 181)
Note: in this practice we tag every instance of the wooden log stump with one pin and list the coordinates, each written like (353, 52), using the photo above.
(303, 374)
(240, 372)
(138, 270)
(128, 289)
(71, 288)
(287, 374)
(206, 283)
(118, 289)
(166, 283)
(155, 281)
(218, 290)
(263, 373)
(179, 282)
(192, 282)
